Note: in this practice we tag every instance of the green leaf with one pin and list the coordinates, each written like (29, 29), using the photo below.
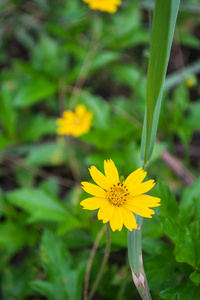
(36, 126)
(103, 59)
(14, 236)
(4, 142)
(184, 239)
(179, 108)
(189, 204)
(48, 57)
(153, 246)
(165, 15)
(50, 186)
(177, 223)
(159, 277)
(184, 291)
(190, 193)
(169, 206)
(48, 154)
(15, 280)
(24, 177)
(62, 281)
(100, 109)
(186, 39)
(41, 206)
(119, 238)
(129, 75)
(193, 117)
(8, 114)
(132, 77)
(33, 91)
(152, 227)
(126, 30)
(195, 277)
(83, 238)
(47, 289)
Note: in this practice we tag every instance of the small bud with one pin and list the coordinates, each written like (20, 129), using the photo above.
(121, 179)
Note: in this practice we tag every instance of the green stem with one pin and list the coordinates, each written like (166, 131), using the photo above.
(104, 262)
(74, 166)
(93, 48)
(136, 261)
(90, 261)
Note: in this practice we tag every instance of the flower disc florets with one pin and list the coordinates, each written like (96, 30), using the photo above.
(117, 194)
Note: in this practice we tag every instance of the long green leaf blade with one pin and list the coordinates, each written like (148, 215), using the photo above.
(163, 29)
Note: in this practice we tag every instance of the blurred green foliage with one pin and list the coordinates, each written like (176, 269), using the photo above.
(54, 55)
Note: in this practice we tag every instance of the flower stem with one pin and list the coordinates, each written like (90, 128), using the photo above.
(72, 159)
(104, 262)
(93, 48)
(90, 261)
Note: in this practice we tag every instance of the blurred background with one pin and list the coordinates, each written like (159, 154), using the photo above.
(53, 56)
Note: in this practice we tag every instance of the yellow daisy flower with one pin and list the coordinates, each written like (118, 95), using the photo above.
(109, 6)
(117, 201)
(75, 123)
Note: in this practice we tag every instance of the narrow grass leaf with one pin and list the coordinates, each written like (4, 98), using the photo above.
(163, 29)
(165, 15)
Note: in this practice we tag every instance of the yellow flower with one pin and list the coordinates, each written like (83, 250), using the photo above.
(191, 81)
(75, 123)
(117, 200)
(109, 6)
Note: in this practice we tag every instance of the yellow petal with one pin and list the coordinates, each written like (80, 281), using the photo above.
(93, 189)
(133, 175)
(142, 188)
(141, 211)
(120, 218)
(135, 178)
(93, 203)
(63, 130)
(60, 122)
(109, 6)
(116, 222)
(113, 220)
(144, 200)
(105, 212)
(99, 178)
(129, 218)
(68, 115)
(88, 117)
(111, 171)
(80, 110)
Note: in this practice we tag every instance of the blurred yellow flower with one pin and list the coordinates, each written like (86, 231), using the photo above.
(75, 123)
(109, 6)
(191, 81)
(117, 200)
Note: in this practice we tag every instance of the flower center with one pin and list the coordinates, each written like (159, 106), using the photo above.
(117, 194)
(77, 121)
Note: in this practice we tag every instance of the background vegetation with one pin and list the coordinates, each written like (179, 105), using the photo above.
(54, 55)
